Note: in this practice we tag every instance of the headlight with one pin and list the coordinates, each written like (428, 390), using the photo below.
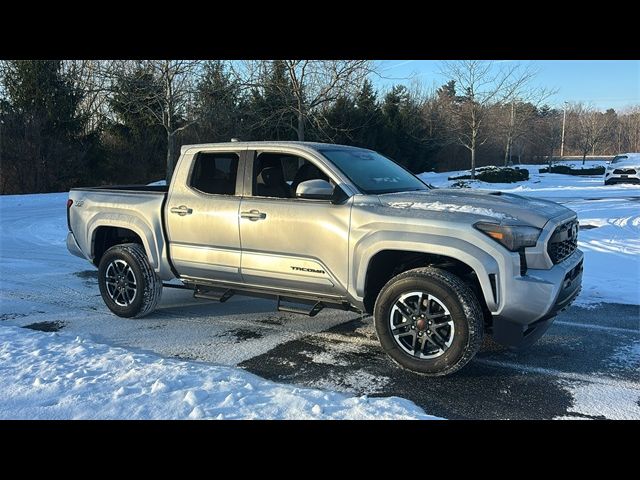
(513, 237)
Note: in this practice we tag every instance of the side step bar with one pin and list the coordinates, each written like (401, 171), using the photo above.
(213, 294)
(285, 303)
(312, 312)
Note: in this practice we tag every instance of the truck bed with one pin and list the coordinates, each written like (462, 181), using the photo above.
(127, 188)
(134, 208)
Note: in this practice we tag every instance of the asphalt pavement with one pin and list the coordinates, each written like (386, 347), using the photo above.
(586, 366)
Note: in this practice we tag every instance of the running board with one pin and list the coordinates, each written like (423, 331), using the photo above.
(212, 294)
(312, 312)
(173, 285)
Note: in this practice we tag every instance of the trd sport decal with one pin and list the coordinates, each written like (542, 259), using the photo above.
(310, 270)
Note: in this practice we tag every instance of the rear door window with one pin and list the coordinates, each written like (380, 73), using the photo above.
(215, 173)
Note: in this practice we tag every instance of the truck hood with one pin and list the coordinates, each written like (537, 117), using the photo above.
(499, 207)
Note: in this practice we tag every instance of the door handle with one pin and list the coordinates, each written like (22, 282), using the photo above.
(253, 215)
(182, 210)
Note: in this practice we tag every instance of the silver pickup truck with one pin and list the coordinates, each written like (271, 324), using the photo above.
(318, 225)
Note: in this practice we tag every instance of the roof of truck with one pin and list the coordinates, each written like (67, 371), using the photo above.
(304, 145)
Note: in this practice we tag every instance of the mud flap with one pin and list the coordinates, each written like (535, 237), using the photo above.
(520, 336)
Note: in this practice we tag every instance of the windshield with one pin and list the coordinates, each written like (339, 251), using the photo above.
(371, 172)
(619, 158)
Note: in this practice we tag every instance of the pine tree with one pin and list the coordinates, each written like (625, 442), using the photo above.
(219, 117)
(135, 143)
(271, 113)
(368, 117)
(44, 147)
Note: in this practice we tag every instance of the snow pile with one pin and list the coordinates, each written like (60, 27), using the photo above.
(610, 240)
(445, 207)
(54, 376)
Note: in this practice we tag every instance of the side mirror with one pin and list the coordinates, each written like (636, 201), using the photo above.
(315, 189)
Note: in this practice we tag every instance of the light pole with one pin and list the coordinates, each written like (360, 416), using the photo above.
(564, 121)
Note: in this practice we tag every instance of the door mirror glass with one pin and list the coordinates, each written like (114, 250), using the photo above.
(315, 189)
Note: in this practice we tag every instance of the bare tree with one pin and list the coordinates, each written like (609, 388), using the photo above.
(481, 85)
(168, 105)
(521, 111)
(629, 126)
(590, 128)
(312, 84)
(547, 132)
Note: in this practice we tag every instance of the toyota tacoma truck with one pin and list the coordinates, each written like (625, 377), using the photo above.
(318, 226)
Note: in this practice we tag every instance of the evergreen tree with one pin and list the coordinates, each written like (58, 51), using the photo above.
(368, 121)
(44, 146)
(219, 117)
(135, 143)
(340, 123)
(270, 108)
(447, 91)
(404, 135)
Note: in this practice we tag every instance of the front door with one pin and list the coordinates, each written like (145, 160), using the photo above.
(202, 217)
(288, 243)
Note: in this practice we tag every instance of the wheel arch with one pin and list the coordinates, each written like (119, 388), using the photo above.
(105, 234)
(382, 263)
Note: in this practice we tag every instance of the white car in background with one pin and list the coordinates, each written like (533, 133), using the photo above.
(623, 168)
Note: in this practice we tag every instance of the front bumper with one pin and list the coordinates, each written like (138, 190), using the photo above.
(618, 179)
(73, 247)
(533, 301)
(611, 178)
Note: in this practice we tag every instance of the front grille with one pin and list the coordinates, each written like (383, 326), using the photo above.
(563, 242)
(624, 171)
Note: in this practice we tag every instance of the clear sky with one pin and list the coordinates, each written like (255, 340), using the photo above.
(602, 83)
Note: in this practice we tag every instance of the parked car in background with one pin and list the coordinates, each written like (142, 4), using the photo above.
(623, 168)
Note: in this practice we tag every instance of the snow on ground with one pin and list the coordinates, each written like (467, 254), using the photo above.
(44, 375)
(610, 226)
(57, 376)
(608, 398)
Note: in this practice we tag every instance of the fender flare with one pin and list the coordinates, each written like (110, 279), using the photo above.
(129, 222)
(479, 260)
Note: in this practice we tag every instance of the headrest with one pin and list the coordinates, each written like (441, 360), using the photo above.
(309, 171)
(271, 177)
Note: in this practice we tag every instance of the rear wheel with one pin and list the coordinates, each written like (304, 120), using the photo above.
(429, 321)
(128, 284)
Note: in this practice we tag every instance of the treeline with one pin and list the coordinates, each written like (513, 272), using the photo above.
(71, 123)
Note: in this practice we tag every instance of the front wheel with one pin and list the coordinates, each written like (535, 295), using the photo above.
(128, 284)
(429, 321)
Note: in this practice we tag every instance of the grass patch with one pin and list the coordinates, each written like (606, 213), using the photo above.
(46, 326)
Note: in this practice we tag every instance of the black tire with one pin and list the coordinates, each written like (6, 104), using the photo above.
(607, 182)
(465, 315)
(148, 287)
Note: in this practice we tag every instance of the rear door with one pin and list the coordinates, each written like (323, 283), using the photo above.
(290, 243)
(202, 215)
